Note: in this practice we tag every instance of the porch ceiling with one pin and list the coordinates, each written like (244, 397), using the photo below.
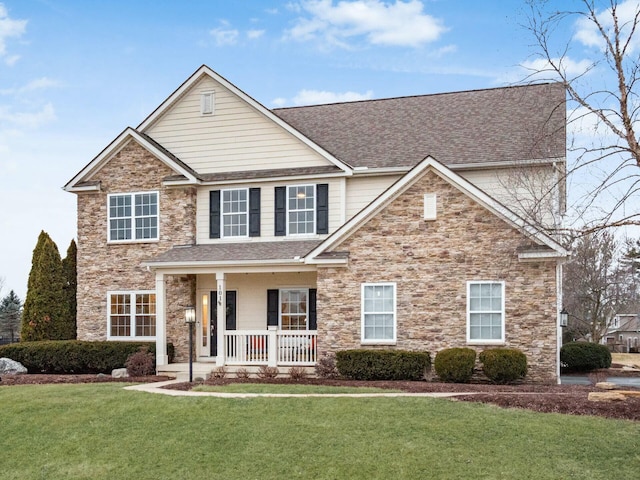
(228, 253)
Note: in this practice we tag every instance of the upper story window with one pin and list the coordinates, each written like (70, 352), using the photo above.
(235, 212)
(133, 217)
(485, 312)
(301, 209)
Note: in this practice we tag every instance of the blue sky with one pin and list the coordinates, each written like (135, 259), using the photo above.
(75, 73)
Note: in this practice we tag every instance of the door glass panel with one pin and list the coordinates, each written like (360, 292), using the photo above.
(205, 320)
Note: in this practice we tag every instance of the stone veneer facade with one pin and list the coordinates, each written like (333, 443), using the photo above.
(431, 261)
(104, 267)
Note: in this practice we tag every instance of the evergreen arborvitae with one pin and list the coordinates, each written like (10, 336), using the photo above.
(45, 307)
(70, 289)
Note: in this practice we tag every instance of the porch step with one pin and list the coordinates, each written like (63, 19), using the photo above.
(180, 371)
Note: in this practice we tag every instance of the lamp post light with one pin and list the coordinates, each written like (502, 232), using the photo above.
(190, 319)
(564, 317)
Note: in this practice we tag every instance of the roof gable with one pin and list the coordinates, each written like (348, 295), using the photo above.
(81, 182)
(551, 247)
(240, 126)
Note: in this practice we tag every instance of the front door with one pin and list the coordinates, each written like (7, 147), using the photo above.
(231, 298)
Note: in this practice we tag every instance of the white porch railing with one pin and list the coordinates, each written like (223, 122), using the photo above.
(270, 347)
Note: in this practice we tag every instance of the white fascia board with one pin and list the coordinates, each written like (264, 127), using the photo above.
(204, 70)
(229, 263)
(507, 164)
(87, 188)
(273, 179)
(536, 256)
(114, 147)
(455, 180)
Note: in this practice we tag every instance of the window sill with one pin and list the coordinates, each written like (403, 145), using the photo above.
(378, 342)
(487, 342)
(130, 339)
(132, 242)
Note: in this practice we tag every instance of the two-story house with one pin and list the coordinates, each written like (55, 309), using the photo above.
(296, 232)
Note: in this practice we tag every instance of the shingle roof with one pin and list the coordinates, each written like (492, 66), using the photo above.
(229, 252)
(479, 126)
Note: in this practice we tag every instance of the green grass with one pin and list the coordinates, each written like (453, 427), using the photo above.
(295, 389)
(105, 432)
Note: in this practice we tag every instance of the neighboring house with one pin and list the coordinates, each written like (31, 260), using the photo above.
(297, 232)
(623, 335)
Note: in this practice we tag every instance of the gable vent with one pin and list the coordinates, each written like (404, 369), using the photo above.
(206, 103)
(429, 206)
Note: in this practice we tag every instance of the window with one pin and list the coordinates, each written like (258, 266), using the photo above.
(301, 208)
(378, 313)
(133, 217)
(206, 103)
(485, 312)
(131, 315)
(235, 213)
(293, 309)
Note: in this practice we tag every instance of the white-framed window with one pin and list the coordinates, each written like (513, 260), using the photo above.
(294, 309)
(378, 321)
(207, 103)
(131, 315)
(133, 217)
(301, 209)
(235, 212)
(485, 312)
(616, 322)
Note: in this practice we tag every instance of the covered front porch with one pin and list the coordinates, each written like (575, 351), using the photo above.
(245, 317)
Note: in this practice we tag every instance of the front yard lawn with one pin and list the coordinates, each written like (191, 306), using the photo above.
(100, 431)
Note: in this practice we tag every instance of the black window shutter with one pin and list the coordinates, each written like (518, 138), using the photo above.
(272, 307)
(281, 211)
(313, 318)
(254, 212)
(214, 214)
(322, 208)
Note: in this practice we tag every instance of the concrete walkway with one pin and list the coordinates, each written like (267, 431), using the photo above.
(157, 388)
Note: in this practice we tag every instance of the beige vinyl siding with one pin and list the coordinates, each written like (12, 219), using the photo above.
(267, 209)
(363, 190)
(252, 293)
(527, 191)
(235, 138)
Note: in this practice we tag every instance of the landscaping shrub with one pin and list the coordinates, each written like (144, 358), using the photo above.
(75, 356)
(382, 364)
(141, 363)
(455, 365)
(326, 367)
(267, 372)
(503, 365)
(297, 373)
(584, 356)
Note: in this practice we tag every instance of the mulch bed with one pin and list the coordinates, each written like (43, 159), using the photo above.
(565, 399)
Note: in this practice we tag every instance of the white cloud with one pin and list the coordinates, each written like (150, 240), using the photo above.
(541, 70)
(9, 28)
(253, 34)
(316, 97)
(224, 34)
(588, 34)
(28, 119)
(381, 23)
(37, 84)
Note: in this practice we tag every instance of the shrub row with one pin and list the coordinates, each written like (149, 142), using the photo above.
(382, 364)
(500, 365)
(584, 356)
(75, 356)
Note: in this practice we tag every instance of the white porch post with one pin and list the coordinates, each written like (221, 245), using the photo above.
(161, 322)
(221, 315)
(273, 345)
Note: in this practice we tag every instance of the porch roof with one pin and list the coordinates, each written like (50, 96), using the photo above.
(233, 253)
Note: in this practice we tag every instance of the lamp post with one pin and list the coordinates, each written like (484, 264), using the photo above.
(190, 319)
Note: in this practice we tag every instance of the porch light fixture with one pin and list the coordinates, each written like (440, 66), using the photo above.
(190, 319)
(564, 317)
